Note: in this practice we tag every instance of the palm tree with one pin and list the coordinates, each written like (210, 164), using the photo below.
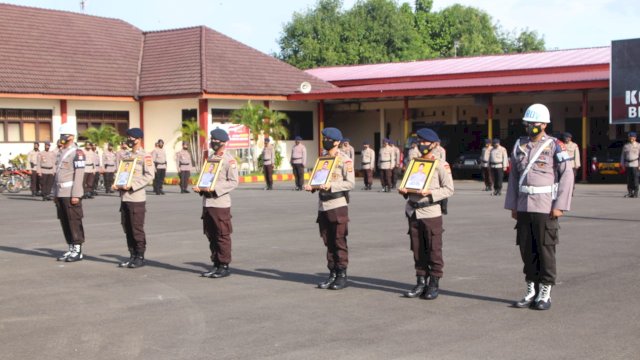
(101, 135)
(190, 132)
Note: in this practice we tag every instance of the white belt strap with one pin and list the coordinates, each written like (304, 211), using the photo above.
(537, 189)
(66, 184)
(532, 160)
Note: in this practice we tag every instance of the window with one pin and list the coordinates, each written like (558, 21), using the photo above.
(92, 118)
(221, 115)
(25, 125)
(189, 115)
(300, 124)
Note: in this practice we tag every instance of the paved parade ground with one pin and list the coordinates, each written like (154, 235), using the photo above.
(270, 307)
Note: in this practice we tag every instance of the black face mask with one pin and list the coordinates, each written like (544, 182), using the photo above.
(131, 143)
(424, 149)
(534, 130)
(215, 146)
(327, 144)
(64, 139)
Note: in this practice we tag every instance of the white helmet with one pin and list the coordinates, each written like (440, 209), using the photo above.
(537, 113)
(67, 129)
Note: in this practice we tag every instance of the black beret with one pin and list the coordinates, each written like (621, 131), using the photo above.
(219, 134)
(332, 133)
(135, 133)
(428, 135)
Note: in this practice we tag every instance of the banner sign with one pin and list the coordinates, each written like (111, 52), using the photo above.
(624, 101)
(238, 135)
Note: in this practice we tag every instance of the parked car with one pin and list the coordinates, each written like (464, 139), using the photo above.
(605, 164)
(467, 167)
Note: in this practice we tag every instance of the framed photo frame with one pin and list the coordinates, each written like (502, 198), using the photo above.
(209, 175)
(321, 171)
(124, 176)
(418, 175)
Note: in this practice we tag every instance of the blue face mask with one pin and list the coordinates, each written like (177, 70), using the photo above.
(424, 149)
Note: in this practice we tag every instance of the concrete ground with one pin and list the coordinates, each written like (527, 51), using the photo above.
(270, 308)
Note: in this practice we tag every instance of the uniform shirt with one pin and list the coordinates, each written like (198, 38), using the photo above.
(183, 160)
(349, 151)
(120, 154)
(299, 155)
(396, 157)
(143, 173)
(630, 153)
(498, 157)
(343, 178)
(413, 153)
(484, 156)
(441, 187)
(385, 160)
(226, 182)
(439, 153)
(368, 159)
(69, 176)
(574, 154)
(159, 157)
(96, 161)
(268, 155)
(46, 163)
(109, 161)
(89, 162)
(32, 159)
(552, 164)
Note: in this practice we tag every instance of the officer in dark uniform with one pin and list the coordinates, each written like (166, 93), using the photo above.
(333, 211)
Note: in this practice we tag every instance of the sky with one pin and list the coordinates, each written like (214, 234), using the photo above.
(565, 24)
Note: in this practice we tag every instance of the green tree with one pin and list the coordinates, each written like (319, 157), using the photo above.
(102, 135)
(190, 132)
(526, 41)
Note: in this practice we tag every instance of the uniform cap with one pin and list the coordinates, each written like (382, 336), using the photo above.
(36, 143)
(47, 143)
(365, 142)
(386, 141)
(161, 141)
(135, 133)
(632, 134)
(185, 143)
(332, 133)
(346, 140)
(537, 113)
(219, 134)
(428, 135)
(267, 139)
(297, 138)
(495, 141)
(567, 135)
(487, 141)
(67, 129)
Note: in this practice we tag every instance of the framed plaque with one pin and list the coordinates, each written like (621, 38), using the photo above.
(209, 175)
(124, 176)
(418, 175)
(321, 171)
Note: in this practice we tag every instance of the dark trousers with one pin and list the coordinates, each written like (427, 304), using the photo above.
(486, 177)
(385, 177)
(298, 173)
(395, 174)
(87, 183)
(46, 184)
(268, 175)
(70, 217)
(426, 245)
(184, 180)
(132, 219)
(35, 182)
(333, 231)
(498, 176)
(537, 236)
(368, 177)
(158, 180)
(218, 229)
(108, 181)
(632, 179)
(96, 180)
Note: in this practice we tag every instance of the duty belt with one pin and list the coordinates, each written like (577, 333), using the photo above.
(385, 161)
(366, 163)
(164, 163)
(185, 164)
(48, 168)
(627, 160)
(107, 165)
(420, 205)
(326, 196)
(296, 158)
(66, 184)
(530, 190)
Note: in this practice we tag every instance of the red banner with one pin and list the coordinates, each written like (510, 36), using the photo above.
(238, 135)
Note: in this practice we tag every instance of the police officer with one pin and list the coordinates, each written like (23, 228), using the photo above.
(499, 162)
(484, 164)
(89, 170)
(440, 153)
(268, 159)
(368, 165)
(133, 204)
(348, 149)
(629, 159)
(32, 159)
(216, 206)
(121, 152)
(109, 162)
(298, 162)
(386, 164)
(425, 221)
(159, 157)
(397, 165)
(573, 151)
(184, 164)
(98, 168)
(539, 192)
(68, 189)
(46, 170)
(413, 153)
(333, 211)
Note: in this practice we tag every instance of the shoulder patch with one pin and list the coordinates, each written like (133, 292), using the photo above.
(561, 145)
(148, 161)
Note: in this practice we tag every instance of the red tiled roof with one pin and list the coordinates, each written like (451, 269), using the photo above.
(467, 65)
(56, 52)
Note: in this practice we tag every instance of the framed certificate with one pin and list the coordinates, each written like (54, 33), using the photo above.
(124, 176)
(209, 175)
(322, 169)
(418, 175)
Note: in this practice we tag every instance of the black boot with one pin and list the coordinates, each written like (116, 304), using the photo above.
(132, 255)
(221, 271)
(138, 262)
(66, 255)
(209, 274)
(432, 289)
(418, 289)
(75, 255)
(341, 280)
(325, 284)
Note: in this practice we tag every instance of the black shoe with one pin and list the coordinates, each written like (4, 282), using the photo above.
(432, 289)
(210, 274)
(137, 262)
(161, 192)
(325, 284)
(221, 271)
(341, 280)
(529, 296)
(128, 261)
(418, 289)
(75, 255)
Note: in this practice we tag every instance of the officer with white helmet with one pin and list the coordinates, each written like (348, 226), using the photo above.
(539, 192)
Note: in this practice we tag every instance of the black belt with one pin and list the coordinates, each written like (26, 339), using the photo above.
(326, 196)
(496, 163)
(296, 158)
(420, 205)
(385, 161)
(48, 168)
(366, 163)
(627, 160)
(164, 163)
(484, 161)
(185, 164)
(33, 164)
(107, 165)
